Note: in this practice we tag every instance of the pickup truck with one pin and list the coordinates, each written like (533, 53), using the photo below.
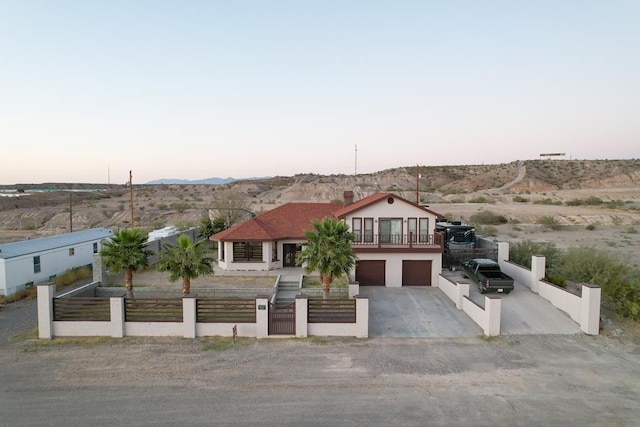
(486, 273)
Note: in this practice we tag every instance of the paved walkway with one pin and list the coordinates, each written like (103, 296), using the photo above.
(415, 312)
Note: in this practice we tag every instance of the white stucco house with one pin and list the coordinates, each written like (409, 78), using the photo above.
(29, 262)
(396, 242)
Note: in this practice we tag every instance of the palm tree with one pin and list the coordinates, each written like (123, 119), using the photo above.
(186, 260)
(328, 250)
(126, 251)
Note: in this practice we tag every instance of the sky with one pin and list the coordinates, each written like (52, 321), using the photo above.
(93, 89)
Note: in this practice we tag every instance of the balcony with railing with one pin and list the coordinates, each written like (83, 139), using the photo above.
(397, 240)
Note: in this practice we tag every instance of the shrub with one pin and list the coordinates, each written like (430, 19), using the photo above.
(488, 218)
(520, 199)
(574, 202)
(549, 221)
(480, 199)
(547, 201)
(179, 206)
(71, 276)
(556, 279)
(486, 230)
(521, 253)
(591, 227)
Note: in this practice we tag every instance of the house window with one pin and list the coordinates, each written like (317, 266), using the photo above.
(72, 251)
(368, 230)
(36, 264)
(274, 251)
(412, 225)
(356, 228)
(95, 248)
(391, 231)
(424, 230)
(221, 246)
(247, 251)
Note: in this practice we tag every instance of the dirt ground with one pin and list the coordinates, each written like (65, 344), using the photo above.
(512, 380)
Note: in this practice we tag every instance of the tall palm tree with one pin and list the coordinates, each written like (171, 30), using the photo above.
(328, 251)
(186, 260)
(126, 251)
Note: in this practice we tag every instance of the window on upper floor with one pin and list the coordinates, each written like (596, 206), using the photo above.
(390, 230)
(368, 230)
(72, 251)
(36, 264)
(412, 229)
(356, 229)
(424, 230)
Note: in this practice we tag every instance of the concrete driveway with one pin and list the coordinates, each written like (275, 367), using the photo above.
(415, 312)
(524, 312)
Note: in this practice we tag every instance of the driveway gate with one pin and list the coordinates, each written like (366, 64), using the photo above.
(454, 259)
(282, 319)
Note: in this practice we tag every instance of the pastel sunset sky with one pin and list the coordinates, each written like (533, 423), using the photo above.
(195, 89)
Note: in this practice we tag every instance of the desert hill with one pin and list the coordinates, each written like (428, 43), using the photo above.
(451, 190)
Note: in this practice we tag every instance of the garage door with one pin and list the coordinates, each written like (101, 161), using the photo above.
(416, 273)
(370, 273)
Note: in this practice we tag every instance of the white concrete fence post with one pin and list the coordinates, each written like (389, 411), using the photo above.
(503, 251)
(46, 294)
(463, 291)
(538, 271)
(262, 316)
(117, 316)
(362, 316)
(493, 308)
(302, 316)
(590, 310)
(189, 315)
(354, 289)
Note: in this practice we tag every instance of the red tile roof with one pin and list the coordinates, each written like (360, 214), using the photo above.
(288, 221)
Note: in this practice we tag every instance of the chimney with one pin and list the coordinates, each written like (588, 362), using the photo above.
(348, 198)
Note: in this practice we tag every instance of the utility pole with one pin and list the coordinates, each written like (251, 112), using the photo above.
(70, 213)
(356, 169)
(417, 185)
(131, 196)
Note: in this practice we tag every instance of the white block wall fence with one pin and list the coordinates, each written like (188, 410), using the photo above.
(584, 309)
(488, 318)
(117, 327)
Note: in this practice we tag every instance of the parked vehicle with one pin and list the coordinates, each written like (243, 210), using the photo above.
(459, 241)
(487, 274)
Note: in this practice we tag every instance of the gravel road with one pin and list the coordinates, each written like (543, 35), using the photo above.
(515, 380)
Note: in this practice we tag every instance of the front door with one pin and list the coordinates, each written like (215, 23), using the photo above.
(289, 250)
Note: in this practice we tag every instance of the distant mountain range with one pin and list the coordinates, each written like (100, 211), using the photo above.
(206, 181)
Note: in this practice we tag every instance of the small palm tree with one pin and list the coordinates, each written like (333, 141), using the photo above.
(328, 251)
(186, 260)
(126, 251)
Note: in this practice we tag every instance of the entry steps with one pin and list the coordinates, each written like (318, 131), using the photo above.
(288, 288)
